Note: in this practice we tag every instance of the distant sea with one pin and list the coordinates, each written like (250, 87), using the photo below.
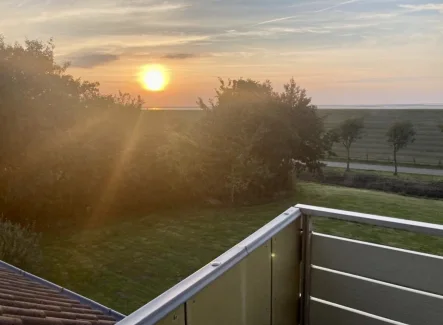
(404, 106)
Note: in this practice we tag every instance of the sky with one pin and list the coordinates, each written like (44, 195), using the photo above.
(341, 52)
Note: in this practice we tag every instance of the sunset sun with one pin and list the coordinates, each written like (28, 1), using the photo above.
(154, 77)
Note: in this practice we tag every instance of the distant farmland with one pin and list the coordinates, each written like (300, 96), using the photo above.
(427, 149)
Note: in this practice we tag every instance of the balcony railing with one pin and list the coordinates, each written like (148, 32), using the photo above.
(286, 274)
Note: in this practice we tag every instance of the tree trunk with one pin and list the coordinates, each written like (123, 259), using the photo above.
(395, 162)
(348, 160)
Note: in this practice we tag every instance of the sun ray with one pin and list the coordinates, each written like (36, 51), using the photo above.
(112, 184)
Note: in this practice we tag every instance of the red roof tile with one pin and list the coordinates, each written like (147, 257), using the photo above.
(27, 302)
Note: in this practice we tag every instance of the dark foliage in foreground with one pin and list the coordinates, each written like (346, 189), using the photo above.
(248, 142)
(68, 153)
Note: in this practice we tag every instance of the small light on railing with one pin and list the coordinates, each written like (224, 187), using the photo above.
(272, 255)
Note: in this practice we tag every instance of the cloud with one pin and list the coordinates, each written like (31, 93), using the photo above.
(275, 20)
(390, 79)
(424, 7)
(299, 30)
(337, 5)
(316, 11)
(104, 11)
(380, 15)
(179, 56)
(91, 60)
(129, 43)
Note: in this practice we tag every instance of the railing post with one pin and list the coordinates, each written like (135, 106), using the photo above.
(306, 268)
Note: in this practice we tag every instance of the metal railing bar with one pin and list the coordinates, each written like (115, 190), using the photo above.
(388, 222)
(306, 268)
(352, 310)
(266, 232)
(392, 248)
(387, 284)
(171, 299)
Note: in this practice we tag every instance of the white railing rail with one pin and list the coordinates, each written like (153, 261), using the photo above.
(180, 295)
(351, 282)
(371, 219)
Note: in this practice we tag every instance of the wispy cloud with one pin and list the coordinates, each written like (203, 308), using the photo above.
(308, 3)
(91, 60)
(337, 5)
(299, 30)
(104, 11)
(390, 79)
(127, 44)
(378, 15)
(180, 56)
(351, 26)
(275, 20)
(423, 7)
(315, 11)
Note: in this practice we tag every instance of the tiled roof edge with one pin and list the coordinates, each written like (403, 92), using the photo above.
(107, 311)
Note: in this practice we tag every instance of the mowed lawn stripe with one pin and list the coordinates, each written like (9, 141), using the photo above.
(126, 264)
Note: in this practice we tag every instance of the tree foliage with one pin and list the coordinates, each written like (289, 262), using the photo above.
(348, 132)
(68, 152)
(59, 136)
(246, 145)
(400, 135)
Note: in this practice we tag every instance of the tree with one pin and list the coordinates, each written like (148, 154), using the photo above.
(347, 133)
(40, 100)
(245, 146)
(59, 136)
(400, 134)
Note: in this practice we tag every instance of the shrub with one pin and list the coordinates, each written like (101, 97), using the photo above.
(244, 147)
(373, 181)
(19, 245)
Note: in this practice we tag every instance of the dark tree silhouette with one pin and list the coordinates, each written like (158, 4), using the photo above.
(347, 133)
(400, 134)
(248, 142)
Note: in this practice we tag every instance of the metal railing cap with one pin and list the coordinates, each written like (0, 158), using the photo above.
(372, 219)
(171, 299)
(266, 232)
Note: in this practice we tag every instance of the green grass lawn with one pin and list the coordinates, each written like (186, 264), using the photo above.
(126, 264)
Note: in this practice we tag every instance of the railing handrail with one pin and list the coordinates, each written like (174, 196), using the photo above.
(372, 219)
(171, 299)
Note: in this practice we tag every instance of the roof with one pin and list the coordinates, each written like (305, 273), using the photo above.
(29, 300)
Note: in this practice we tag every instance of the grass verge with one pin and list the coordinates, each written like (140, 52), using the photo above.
(126, 264)
(385, 163)
(402, 176)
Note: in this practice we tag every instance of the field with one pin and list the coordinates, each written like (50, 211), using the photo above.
(426, 150)
(127, 263)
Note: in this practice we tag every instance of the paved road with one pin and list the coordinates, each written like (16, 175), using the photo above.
(384, 168)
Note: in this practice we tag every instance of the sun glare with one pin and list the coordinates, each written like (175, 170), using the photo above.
(154, 77)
